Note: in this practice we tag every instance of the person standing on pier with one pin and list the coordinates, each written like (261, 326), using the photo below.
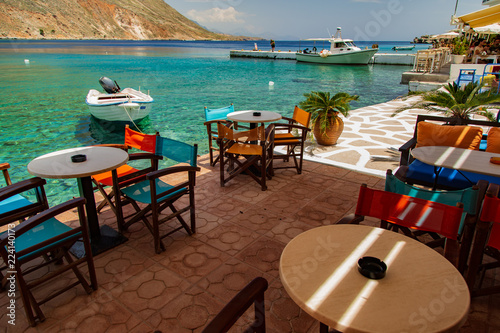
(273, 45)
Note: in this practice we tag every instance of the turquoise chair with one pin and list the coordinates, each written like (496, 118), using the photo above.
(41, 236)
(157, 195)
(17, 207)
(212, 117)
(471, 198)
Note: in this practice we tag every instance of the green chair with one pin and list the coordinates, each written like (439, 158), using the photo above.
(471, 198)
(158, 195)
(17, 207)
(44, 236)
(212, 118)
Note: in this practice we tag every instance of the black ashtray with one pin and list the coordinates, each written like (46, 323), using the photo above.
(78, 158)
(256, 114)
(372, 268)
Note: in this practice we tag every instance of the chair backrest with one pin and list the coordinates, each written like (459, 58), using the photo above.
(302, 117)
(145, 142)
(178, 151)
(218, 114)
(491, 213)
(409, 211)
(258, 133)
(253, 293)
(468, 197)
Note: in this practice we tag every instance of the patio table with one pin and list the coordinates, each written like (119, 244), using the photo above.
(421, 291)
(458, 159)
(58, 165)
(247, 116)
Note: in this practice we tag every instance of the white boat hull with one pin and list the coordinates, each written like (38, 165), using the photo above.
(361, 57)
(120, 113)
(128, 105)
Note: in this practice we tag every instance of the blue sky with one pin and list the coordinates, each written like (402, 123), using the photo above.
(370, 20)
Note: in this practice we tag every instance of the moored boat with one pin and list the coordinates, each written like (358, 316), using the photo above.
(127, 105)
(342, 51)
(398, 48)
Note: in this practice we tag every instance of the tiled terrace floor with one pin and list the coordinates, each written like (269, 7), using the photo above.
(241, 232)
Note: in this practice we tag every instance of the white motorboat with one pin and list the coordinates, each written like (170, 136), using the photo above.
(127, 105)
(342, 51)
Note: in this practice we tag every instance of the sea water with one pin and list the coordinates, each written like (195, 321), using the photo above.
(44, 85)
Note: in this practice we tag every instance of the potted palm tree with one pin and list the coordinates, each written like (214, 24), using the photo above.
(459, 50)
(458, 103)
(325, 110)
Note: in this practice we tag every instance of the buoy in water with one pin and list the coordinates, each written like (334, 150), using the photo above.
(27, 61)
(271, 83)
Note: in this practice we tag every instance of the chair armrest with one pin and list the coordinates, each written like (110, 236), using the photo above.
(44, 216)
(144, 156)
(4, 166)
(20, 187)
(114, 145)
(278, 126)
(252, 293)
(171, 170)
(405, 151)
(350, 219)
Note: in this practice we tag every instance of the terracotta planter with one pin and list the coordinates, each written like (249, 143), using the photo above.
(332, 133)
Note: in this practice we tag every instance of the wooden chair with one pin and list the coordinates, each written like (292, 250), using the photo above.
(471, 198)
(284, 136)
(156, 195)
(38, 236)
(16, 207)
(127, 174)
(410, 212)
(212, 118)
(486, 242)
(253, 293)
(250, 151)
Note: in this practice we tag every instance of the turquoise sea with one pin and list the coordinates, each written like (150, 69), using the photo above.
(42, 105)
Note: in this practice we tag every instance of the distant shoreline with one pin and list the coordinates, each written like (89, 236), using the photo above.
(140, 40)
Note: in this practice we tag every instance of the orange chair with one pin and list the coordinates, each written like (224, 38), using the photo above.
(410, 212)
(251, 151)
(284, 136)
(486, 242)
(127, 174)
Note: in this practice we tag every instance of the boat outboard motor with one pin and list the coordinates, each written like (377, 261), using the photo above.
(110, 86)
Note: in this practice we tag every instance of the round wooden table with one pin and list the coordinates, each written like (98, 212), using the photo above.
(421, 292)
(59, 165)
(248, 116)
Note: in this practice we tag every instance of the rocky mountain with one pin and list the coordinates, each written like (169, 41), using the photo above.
(98, 19)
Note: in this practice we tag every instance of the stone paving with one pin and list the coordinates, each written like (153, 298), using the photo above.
(241, 232)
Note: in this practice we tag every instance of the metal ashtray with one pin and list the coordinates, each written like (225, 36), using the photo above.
(257, 114)
(78, 158)
(372, 268)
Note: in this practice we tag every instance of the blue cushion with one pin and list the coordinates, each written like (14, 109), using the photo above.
(140, 191)
(12, 203)
(42, 232)
(419, 171)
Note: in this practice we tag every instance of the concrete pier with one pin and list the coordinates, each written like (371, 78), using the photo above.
(378, 59)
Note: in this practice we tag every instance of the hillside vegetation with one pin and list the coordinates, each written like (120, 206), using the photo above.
(98, 19)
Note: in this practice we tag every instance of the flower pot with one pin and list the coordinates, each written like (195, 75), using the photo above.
(332, 133)
(457, 58)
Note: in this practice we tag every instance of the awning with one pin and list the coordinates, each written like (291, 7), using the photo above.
(482, 17)
(489, 29)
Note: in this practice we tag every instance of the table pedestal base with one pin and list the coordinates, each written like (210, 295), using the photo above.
(109, 238)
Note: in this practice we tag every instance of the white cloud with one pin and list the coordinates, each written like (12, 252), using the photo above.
(216, 15)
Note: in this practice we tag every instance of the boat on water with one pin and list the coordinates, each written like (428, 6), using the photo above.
(127, 105)
(342, 51)
(399, 48)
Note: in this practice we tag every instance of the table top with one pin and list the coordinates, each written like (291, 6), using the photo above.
(59, 165)
(458, 159)
(248, 117)
(421, 292)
